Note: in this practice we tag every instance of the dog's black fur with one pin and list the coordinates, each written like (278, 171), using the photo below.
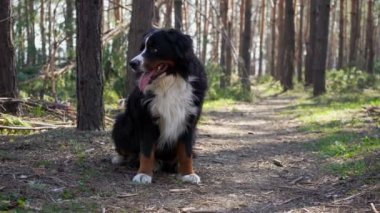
(137, 131)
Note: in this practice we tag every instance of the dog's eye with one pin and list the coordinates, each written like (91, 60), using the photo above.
(153, 50)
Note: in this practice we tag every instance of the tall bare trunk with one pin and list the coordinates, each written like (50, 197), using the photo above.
(246, 84)
(311, 43)
(370, 53)
(178, 15)
(332, 45)
(168, 14)
(341, 35)
(90, 79)
(140, 24)
(8, 83)
(320, 54)
(69, 28)
(205, 33)
(289, 47)
(280, 45)
(273, 44)
(42, 31)
(241, 38)
(355, 32)
(262, 32)
(300, 43)
(223, 47)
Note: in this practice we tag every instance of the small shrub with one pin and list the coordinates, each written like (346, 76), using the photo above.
(349, 80)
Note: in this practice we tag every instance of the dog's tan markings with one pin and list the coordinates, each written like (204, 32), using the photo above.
(185, 161)
(147, 163)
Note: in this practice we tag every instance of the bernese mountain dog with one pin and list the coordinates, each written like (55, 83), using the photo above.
(162, 111)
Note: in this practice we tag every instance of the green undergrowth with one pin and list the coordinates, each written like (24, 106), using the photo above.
(347, 136)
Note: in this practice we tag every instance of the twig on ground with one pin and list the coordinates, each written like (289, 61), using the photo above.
(32, 128)
(357, 194)
(374, 208)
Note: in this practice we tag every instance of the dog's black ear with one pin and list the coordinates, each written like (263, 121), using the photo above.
(182, 43)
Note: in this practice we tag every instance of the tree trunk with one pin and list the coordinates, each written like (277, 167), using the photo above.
(355, 32)
(205, 34)
(341, 35)
(42, 31)
(69, 28)
(90, 78)
(246, 84)
(49, 27)
(223, 46)
(289, 47)
(178, 14)
(30, 13)
(300, 43)
(311, 43)
(280, 45)
(241, 38)
(228, 55)
(140, 24)
(262, 31)
(273, 45)
(8, 83)
(117, 11)
(369, 52)
(331, 47)
(168, 14)
(320, 54)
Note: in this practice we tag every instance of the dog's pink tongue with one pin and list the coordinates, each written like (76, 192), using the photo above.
(144, 80)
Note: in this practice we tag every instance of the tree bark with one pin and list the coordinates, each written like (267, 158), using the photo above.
(273, 44)
(205, 34)
(320, 54)
(140, 24)
(8, 78)
(331, 47)
(355, 32)
(30, 13)
(223, 46)
(289, 47)
(300, 43)
(246, 84)
(241, 38)
(168, 14)
(262, 31)
(69, 28)
(341, 35)
(90, 78)
(42, 31)
(280, 45)
(369, 52)
(178, 15)
(311, 43)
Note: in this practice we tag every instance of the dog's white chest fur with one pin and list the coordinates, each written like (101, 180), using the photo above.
(173, 103)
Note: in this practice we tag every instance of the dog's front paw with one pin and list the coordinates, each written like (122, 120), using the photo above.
(117, 159)
(142, 178)
(191, 178)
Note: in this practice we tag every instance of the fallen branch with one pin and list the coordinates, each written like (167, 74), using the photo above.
(374, 208)
(32, 128)
(357, 194)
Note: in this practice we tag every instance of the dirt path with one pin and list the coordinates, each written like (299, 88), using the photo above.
(238, 149)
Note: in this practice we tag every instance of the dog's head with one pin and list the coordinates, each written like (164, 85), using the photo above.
(162, 52)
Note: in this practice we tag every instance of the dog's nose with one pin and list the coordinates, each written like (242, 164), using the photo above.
(134, 63)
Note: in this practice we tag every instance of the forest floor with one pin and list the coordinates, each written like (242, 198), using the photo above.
(251, 158)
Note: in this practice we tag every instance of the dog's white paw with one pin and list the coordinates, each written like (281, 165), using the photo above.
(191, 178)
(117, 159)
(142, 178)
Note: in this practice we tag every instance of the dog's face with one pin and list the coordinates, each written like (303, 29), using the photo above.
(162, 52)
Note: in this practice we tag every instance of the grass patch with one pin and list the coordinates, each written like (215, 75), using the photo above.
(218, 104)
(346, 138)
